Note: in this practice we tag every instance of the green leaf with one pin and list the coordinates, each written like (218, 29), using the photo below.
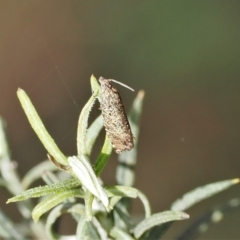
(101, 232)
(122, 217)
(86, 230)
(58, 211)
(146, 204)
(82, 229)
(54, 200)
(122, 191)
(8, 229)
(211, 217)
(88, 205)
(103, 156)
(39, 128)
(190, 199)
(157, 219)
(52, 218)
(93, 132)
(95, 86)
(83, 122)
(84, 172)
(49, 178)
(44, 190)
(9, 173)
(201, 193)
(4, 151)
(36, 172)
(119, 234)
(114, 200)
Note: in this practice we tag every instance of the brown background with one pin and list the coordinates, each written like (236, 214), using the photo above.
(184, 54)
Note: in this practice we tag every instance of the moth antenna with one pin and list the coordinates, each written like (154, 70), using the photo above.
(120, 83)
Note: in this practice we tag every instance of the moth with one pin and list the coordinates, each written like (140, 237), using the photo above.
(114, 116)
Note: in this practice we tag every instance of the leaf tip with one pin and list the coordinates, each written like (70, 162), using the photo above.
(109, 208)
(93, 78)
(20, 91)
(141, 94)
(10, 200)
(236, 180)
(35, 217)
(185, 216)
(94, 84)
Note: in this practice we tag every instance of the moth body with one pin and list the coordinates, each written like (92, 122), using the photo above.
(114, 117)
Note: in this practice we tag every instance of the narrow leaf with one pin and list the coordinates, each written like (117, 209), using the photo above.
(44, 190)
(157, 219)
(119, 234)
(51, 219)
(201, 193)
(122, 217)
(84, 172)
(8, 229)
(9, 174)
(8, 171)
(76, 210)
(190, 199)
(39, 128)
(114, 200)
(122, 191)
(86, 230)
(95, 86)
(101, 232)
(53, 201)
(146, 204)
(93, 132)
(209, 218)
(83, 123)
(49, 178)
(103, 156)
(88, 205)
(4, 151)
(82, 229)
(36, 172)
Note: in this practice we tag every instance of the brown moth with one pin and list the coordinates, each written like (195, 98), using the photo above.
(114, 117)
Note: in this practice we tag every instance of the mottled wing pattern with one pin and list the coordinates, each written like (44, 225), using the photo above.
(114, 117)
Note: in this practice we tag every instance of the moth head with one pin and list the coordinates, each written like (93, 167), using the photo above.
(106, 83)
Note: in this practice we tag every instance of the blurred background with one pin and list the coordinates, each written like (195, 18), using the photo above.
(184, 54)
